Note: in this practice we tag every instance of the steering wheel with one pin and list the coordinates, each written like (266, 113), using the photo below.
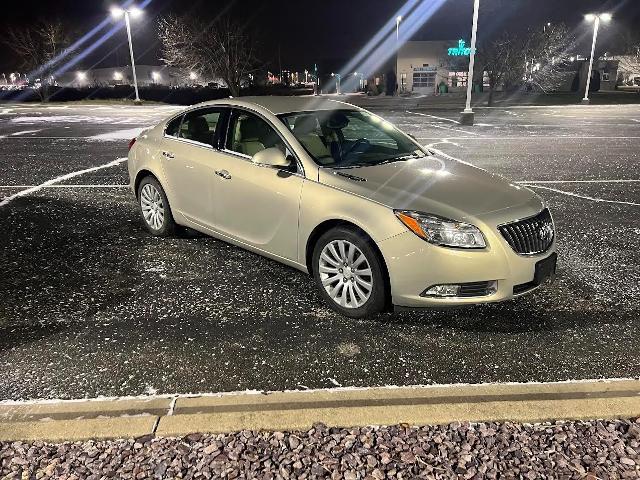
(358, 143)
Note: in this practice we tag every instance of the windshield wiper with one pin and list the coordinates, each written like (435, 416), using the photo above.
(399, 158)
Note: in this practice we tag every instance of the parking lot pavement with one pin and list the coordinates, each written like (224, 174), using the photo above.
(91, 305)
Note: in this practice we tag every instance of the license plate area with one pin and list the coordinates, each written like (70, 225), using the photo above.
(546, 270)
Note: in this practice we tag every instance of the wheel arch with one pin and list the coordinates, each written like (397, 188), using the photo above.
(327, 225)
(142, 174)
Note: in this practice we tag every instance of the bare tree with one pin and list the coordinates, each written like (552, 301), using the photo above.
(627, 50)
(502, 60)
(38, 46)
(221, 49)
(547, 53)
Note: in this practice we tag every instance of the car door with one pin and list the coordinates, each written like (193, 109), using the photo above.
(257, 204)
(189, 158)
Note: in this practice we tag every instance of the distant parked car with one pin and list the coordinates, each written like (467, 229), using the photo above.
(336, 191)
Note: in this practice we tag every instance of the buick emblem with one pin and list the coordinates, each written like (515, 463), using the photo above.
(546, 232)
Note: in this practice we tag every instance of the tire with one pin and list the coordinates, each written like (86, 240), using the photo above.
(345, 289)
(154, 208)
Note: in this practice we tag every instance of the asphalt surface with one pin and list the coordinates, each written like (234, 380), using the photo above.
(91, 305)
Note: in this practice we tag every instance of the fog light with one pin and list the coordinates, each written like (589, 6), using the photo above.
(442, 291)
(463, 290)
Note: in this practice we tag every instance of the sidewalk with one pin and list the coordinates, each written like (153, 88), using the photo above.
(324, 434)
(479, 100)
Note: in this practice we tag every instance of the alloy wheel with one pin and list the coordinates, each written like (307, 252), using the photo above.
(345, 273)
(152, 206)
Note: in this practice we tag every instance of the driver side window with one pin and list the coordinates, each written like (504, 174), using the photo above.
(249, 134)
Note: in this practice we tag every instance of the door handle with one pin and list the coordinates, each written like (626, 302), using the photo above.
(168, 154)
(224, 174)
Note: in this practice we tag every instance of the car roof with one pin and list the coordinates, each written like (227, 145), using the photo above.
(278, 105)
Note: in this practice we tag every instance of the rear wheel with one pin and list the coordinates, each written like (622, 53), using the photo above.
(154, 208)
(349, 273)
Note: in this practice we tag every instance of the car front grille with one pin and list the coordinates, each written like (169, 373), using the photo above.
(531, 235)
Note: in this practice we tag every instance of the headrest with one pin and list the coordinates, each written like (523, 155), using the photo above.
(337, 121)
(305, 124)
(250, 127)
(198, 125)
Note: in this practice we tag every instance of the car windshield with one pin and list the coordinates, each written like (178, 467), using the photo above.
(350, 138)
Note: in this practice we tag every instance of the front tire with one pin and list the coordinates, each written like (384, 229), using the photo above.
(349, 273)
(154, 208)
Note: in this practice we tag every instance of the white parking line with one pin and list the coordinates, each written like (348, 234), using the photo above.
(535, 137)
(444, 128)
(533, 185)
(579, 181)
(71, 185)
(61, 178)
(434, 116)
(585, 197)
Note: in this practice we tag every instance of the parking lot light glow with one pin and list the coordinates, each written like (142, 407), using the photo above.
(156, 76)
(135, 12)
(117, 75)
(82, 76)
(193, 75)
(117, 12)
(606, 17)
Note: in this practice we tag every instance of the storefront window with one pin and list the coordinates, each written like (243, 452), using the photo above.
(458, 79)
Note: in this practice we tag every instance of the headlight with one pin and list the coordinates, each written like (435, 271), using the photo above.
(441, 231)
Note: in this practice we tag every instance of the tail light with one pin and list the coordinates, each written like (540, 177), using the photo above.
(131, 143)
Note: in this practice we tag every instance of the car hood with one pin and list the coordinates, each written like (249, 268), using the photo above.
(431, 184)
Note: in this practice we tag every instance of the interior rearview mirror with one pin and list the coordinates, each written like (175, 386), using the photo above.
(273, 157)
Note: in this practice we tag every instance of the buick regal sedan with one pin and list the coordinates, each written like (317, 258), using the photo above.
(338, 192)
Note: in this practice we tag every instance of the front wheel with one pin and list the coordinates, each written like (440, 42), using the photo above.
(349, 273)
(154, 208)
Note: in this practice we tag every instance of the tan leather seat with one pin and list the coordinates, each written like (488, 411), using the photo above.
(306, 131)
(247, 137)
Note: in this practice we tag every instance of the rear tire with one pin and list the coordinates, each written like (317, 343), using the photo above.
(350, 273)
(154, 208)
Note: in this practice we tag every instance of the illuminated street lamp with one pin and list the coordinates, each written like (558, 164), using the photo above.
(360, 81)
(81, 76)
(193, 75)
(134, 12)
(467, 114)
(338, 78)
(156, 77)
(595, 18)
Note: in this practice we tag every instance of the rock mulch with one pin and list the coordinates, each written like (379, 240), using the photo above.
(566, 450)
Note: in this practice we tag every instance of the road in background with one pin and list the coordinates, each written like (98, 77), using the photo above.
(91, 305)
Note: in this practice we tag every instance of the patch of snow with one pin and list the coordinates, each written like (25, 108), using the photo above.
(24, 132)
(127, 134)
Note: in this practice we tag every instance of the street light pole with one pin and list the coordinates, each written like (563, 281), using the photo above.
(398, 20)
(596, 27)
(133, 62)
(118, 12)
(467, 115)
(338, 78)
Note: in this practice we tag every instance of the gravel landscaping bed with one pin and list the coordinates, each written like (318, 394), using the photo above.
(589, 450)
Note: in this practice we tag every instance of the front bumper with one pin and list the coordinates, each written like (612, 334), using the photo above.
(414, 265)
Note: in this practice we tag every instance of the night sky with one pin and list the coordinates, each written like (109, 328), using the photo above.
(326, 31)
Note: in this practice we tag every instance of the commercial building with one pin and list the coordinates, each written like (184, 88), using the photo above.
(147, 75)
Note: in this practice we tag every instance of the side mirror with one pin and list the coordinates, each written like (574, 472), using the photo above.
(273, 157)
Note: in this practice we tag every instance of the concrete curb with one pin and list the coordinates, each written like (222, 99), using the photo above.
(181, 415)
